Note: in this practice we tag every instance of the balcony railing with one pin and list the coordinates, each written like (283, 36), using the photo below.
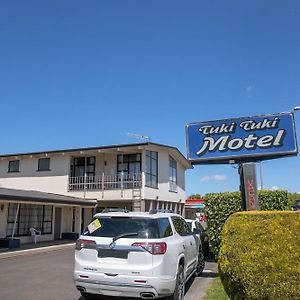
(106, 182)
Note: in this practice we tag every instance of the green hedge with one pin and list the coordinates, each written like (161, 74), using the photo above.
(273, 200)
(219, 206)
(259, 257)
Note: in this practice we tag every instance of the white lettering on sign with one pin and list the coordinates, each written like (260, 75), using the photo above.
(224, 128)
(225, 143)
(264, 124)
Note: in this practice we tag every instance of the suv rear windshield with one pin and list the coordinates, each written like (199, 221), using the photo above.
(145, 228)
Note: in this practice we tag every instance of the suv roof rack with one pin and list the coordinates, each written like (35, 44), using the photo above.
(155, 211)
(107, 210)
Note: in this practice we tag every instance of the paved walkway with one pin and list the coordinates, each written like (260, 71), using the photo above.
(40, 247)
(198, 287)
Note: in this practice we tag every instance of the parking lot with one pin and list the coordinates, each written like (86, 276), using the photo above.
(48, 276)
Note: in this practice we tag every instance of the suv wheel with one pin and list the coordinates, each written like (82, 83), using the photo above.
(88, 296)
(180, 286)
(200, 264)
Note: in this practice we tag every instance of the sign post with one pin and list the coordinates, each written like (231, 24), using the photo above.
(248, 186)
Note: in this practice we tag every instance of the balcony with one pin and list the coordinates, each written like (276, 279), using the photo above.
(106, 182)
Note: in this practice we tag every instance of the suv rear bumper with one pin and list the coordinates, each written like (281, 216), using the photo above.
(123, 285)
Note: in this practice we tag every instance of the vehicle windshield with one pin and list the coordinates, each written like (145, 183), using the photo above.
(145, 228)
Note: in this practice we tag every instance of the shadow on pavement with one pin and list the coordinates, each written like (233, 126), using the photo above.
(101, 297)
(189, 284)
(209, 274)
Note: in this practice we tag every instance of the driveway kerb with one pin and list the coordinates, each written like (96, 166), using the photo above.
(46, 249)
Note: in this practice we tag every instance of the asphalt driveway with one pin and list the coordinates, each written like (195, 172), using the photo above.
(48, 276)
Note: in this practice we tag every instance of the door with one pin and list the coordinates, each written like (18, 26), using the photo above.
(188, 243)
(57, 226)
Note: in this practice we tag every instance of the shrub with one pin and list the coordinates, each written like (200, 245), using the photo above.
(273, 200)
(259, 257)
(219, 206)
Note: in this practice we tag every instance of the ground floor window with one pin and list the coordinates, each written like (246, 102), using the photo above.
(30, 215)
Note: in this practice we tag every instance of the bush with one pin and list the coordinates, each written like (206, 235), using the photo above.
(273, 200)
(259, 257)
(219, 206)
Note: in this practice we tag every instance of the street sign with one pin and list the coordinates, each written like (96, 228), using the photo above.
(241, 139)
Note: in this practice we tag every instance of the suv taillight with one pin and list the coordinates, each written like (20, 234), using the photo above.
(153, 248)
(80, 243)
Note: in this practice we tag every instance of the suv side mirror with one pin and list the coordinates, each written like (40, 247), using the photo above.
(196, 231)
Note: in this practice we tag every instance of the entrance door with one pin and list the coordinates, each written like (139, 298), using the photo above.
(57, 226)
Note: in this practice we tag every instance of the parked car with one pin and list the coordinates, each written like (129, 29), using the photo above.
(197, 228)
(143, 255)
(296, 205)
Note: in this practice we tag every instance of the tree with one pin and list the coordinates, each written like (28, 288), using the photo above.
(195, 196)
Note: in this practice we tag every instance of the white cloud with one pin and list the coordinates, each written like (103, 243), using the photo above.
(250, 88)
(219, 177)
(274, 187)
(204, 178)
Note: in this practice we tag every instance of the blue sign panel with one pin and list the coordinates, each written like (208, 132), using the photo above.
(242, 139)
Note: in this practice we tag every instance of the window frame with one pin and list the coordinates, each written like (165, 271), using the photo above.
(126, 160)
(28, 209)
(10, 163)
(39, 164)
(172, 175)
(151, 174)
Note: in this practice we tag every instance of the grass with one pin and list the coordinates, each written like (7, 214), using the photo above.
(216, 291)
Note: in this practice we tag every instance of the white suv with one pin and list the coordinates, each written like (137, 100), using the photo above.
(143, 255)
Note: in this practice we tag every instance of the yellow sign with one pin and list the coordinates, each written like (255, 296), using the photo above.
(94, 226)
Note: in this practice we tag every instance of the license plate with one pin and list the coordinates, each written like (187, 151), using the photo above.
(123, 254)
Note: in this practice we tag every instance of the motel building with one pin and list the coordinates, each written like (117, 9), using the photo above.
(57, 192)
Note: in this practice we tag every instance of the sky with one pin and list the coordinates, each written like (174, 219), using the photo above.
(85, 73)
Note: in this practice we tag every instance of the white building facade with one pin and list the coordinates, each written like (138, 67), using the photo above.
(139, 177)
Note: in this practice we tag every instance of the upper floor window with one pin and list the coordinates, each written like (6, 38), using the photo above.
(82, 166)
(14, 166)
(129, 163)
(152, 169)
(44, 164)
(172, 174)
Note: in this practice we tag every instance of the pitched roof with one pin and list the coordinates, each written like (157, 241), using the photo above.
(43, 197)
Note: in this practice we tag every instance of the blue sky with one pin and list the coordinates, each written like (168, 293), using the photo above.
(84, 73)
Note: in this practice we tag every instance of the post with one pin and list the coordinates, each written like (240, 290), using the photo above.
(102, 182)
(15, 222)
(84, 180)
(122, 183)
(261, 178)
(248, 186)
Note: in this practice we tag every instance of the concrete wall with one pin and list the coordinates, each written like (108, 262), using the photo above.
(53, 181)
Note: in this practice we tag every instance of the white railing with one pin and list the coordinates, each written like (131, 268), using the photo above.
(106, 182)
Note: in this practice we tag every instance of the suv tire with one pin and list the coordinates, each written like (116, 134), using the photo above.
(180, 286)
(201, 264)
(89, 296)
